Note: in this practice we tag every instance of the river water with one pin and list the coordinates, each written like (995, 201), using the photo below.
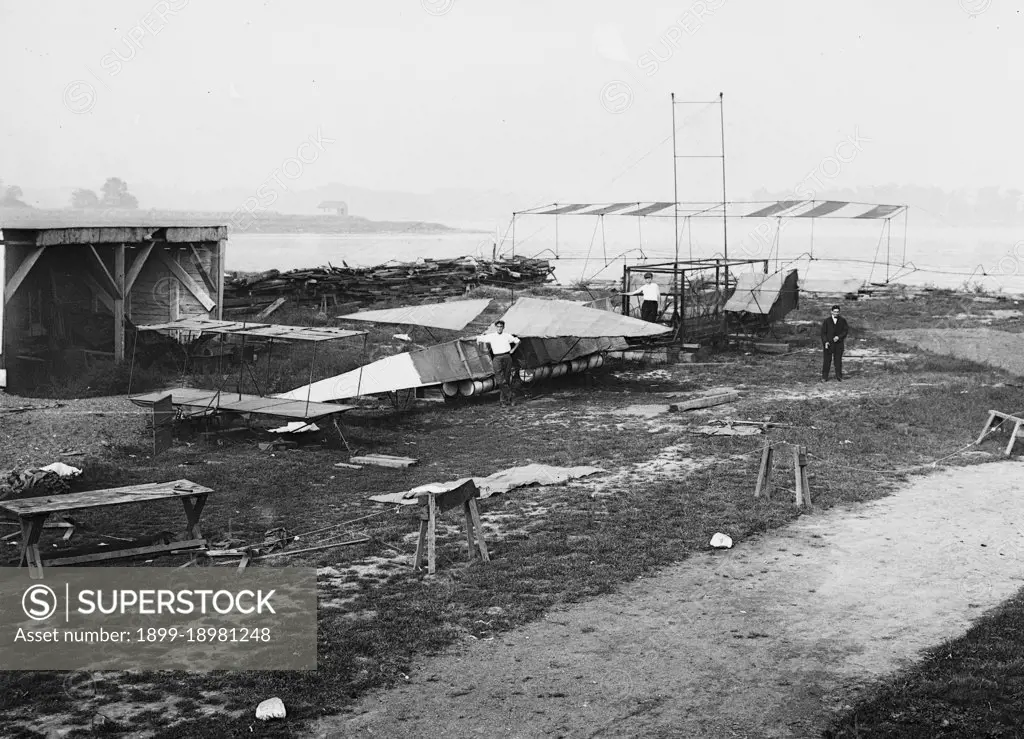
(943, 256)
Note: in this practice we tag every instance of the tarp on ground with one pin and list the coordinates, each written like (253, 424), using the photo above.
(454, 315)
(499, 482)
(535, 317)
(759, 293)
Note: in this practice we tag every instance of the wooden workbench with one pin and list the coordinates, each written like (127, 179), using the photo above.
(33, 512)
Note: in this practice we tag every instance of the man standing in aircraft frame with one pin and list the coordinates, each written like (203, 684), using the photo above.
(651, 305)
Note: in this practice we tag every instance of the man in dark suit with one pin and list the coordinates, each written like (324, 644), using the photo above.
(833, 338)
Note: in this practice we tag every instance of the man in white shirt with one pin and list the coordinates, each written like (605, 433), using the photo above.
(501, 345)
(651, 305)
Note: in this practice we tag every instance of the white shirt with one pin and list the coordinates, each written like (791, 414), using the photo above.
(650, 291)
(500, 343)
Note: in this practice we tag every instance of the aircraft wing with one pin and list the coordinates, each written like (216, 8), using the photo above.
(454, 315)
(449, 362)
(535, 317)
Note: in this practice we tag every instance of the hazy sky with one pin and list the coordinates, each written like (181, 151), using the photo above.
(556, 97)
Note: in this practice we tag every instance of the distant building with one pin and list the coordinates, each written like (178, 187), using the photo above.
(340, 207)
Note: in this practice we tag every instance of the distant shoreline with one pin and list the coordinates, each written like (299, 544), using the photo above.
(238, 222)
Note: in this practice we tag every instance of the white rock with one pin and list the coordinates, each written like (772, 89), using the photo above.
(721, 541)
(270, 708)
(63, 470)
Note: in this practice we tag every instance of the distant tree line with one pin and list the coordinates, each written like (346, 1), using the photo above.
(114, 194)
(11, 196)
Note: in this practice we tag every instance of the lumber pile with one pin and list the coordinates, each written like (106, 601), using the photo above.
(425, 279)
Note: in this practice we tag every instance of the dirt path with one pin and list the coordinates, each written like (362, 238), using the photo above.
(765, 640)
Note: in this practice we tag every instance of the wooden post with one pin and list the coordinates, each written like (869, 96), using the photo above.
(475, 513)
(991, 418)
(173, 293)
(421, 542)
(432, 536)
(119, 302)
(218, 275)
(469, 529)
(798, 475)
(764, 473)
(1013, 436)
(803, 477)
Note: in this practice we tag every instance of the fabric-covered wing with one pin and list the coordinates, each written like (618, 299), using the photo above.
(533, 317)
(453, 316)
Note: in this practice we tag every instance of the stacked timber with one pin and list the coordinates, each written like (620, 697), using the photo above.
(423, 280)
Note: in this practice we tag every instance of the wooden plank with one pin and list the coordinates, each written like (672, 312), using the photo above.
(197, 262)
(384, 461)
(106, 278)
(705, 402)
(184, 278)
(119, 303)
(184, 546)
(111, 496)
(270, 308)
(136, 268)
(89, 236)
(21, 273)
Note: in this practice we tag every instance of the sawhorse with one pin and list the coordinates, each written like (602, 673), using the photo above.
(431, 504)
(764, 474)
(1004, 417)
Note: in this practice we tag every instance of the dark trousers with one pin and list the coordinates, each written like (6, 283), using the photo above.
(503, 375)
(832, 351)
(649, 311)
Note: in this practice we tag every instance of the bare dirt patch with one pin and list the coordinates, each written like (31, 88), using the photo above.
(983, 345)
(768, 639)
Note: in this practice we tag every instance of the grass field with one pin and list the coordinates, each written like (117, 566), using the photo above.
(558, 544)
